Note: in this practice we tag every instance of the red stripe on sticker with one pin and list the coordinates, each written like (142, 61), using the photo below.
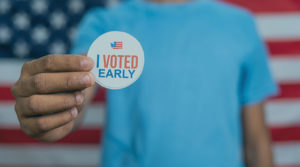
(267, 6)
(290, 48)
(285, 134)
(81, 136)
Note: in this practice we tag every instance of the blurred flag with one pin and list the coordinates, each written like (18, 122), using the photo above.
(279, 24)
(31, 28)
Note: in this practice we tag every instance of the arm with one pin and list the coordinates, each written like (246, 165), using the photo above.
(257, 145)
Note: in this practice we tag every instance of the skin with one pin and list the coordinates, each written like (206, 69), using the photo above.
(53, 90)
(257, 143)
(50, 95)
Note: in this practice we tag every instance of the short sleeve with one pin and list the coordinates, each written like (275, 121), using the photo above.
(257, 81)
(91, 26)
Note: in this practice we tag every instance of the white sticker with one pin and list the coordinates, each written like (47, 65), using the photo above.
(119, 59)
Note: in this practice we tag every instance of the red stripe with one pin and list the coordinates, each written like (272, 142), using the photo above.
(289, 48)
(5, 94)
(81, 136)
(290, 90)
(285, 134)
(267, 6)
(92, 136)
(100, 96)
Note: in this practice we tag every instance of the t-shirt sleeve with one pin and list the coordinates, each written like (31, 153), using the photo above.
(257, 81)
(91, 26)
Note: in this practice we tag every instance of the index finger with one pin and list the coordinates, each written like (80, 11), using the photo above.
(58, 63)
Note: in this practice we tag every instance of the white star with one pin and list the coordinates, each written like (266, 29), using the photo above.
(4, 6)
(40, 34)
(58, 20)
(71, 33)
(76, 6)
(21, 21)
(21, 49)
(39, 6)
(57, 47)
(5, 34)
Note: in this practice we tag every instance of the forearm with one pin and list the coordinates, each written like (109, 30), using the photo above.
(259, 154)
(257, 142)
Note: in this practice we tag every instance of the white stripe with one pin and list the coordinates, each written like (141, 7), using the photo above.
(279, 26)
(284, 153)
(286, 69)
(95, 116)
(86, 155)
(8, 117)
(83, 155)
(10, 70)
(287, 153)
(283, 112)
(278, 113)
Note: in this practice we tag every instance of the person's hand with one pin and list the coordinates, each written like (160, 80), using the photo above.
(49, 94)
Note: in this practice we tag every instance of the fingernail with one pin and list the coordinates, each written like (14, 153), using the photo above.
(74, 112)
(85, 63)
(85, 79)
(79, 99)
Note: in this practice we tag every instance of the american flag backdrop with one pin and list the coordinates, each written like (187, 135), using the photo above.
(33, 28)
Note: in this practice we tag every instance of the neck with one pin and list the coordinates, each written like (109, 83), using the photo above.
(169, 1)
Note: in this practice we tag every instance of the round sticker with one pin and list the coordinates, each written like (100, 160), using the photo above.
(119, 59)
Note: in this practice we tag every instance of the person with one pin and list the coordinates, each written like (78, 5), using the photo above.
(199, 101)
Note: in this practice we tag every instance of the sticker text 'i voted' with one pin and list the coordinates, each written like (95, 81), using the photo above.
(117, 66)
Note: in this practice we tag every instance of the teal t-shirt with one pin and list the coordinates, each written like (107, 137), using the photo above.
(203, 61)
